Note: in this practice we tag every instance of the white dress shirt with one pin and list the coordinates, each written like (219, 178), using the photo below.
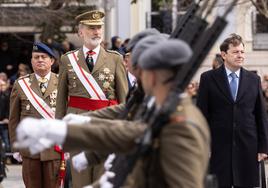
(95, 56)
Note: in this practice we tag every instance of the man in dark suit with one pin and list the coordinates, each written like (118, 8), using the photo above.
(230, 97)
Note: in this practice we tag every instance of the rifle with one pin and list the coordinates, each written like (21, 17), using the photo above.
(189, 22)
(201, 41)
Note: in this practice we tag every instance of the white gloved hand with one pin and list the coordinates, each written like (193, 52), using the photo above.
(17, 156)
(39, 145)
(88, 186)
(40, 134)
(108, 163)
(104, 179)
(80, 162)
(75, 119)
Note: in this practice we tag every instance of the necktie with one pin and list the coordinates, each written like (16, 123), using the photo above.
(89, 60)
(233, 85)
(42, 84)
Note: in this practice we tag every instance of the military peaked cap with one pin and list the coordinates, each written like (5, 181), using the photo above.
(91, 18)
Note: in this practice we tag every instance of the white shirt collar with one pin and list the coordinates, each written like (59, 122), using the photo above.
(47, 76)
(96, 50)
(132, 78)
(228, 72)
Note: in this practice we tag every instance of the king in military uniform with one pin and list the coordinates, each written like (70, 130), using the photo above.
(34, 95)
(90, 78)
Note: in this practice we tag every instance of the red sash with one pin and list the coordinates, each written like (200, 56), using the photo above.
(89, 104)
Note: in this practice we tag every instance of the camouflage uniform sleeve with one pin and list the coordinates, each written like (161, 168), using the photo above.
(121, 86)
(15, 111)
(111, 112)
(62, 96)
(105, 136)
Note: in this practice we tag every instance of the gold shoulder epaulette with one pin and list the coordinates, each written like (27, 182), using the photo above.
(25, 76)
(71, 51)
(114, 52)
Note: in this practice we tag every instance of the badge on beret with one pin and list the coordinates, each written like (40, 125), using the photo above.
(35, 47)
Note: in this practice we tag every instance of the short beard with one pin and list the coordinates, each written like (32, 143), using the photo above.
(93, 41)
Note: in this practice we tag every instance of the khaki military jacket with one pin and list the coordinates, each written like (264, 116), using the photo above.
(21, 107)
(183, 146)
(70, 85)
(111, 112)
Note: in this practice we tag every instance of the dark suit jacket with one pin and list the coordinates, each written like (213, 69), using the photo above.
(238, 128)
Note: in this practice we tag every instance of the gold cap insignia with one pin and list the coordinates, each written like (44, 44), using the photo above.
(91, 18)
(96, 15)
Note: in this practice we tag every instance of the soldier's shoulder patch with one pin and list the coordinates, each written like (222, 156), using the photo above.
(113, 52)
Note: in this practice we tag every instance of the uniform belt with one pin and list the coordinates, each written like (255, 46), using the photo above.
(89, 104)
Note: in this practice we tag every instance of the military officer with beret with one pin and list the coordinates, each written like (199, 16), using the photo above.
(34, 95)
(181, 151)
(90, 78)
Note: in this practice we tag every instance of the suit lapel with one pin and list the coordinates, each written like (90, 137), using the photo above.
(242, 88)
(81, 59)
(222, 82)
(35, 86)
(100, 60)
(52, 84)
